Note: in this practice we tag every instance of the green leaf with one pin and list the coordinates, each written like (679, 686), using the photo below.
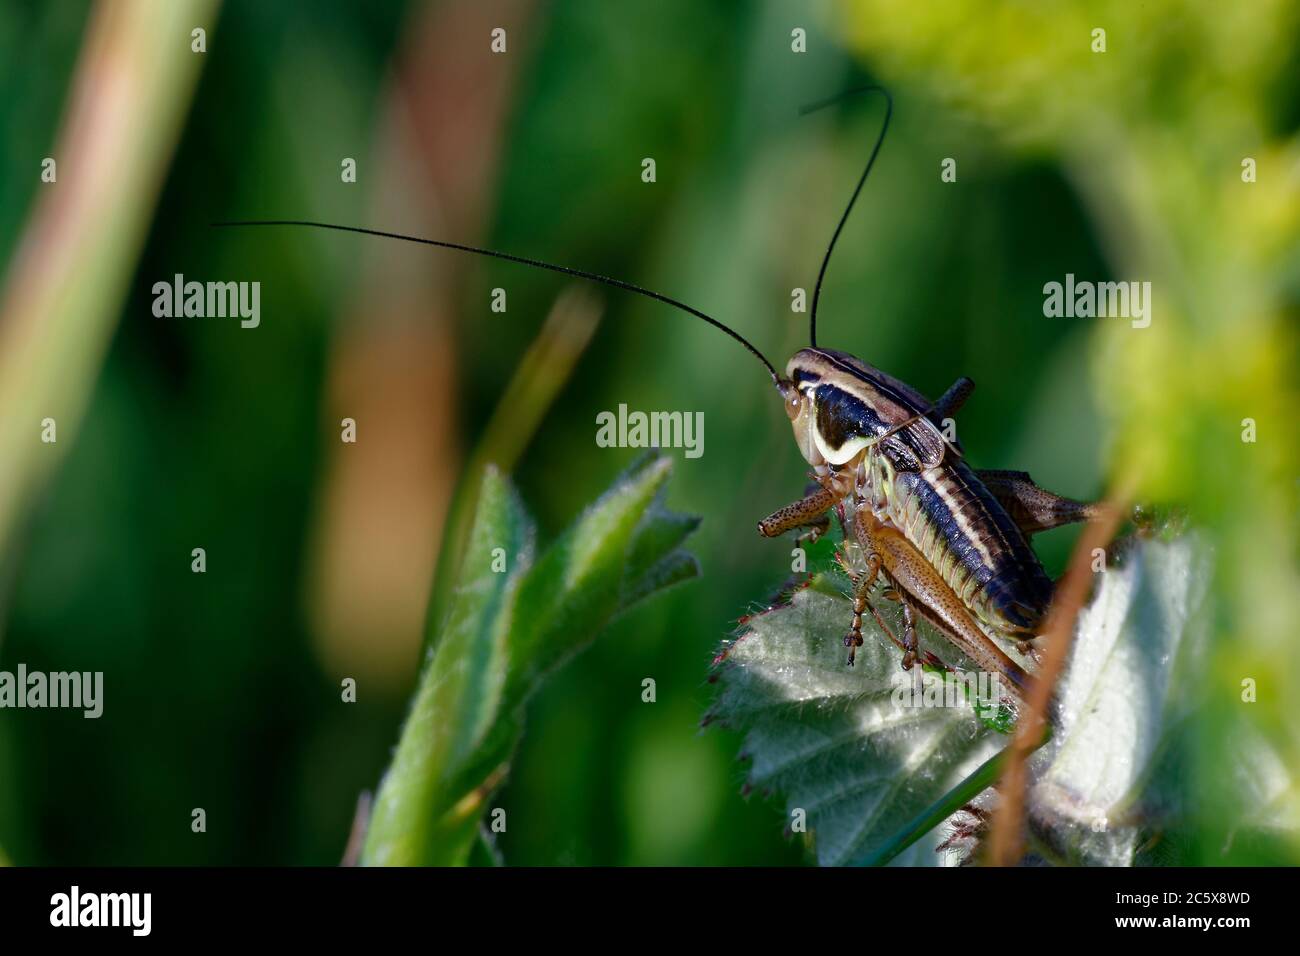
(503, 632)
(589, 574)
(534, 386)
(871, 774)
(831, 738)
(458, 698)
(654, 560)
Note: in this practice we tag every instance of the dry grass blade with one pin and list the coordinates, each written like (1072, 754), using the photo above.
(71, 269)
(541, 375)
(1006, 841)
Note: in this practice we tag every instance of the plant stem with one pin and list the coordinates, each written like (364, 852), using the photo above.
(983, 777)
(1006, 841)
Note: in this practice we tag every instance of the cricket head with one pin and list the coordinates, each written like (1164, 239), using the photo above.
(801, 408)
(840, 406)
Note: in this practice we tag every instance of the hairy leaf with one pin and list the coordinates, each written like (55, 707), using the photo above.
(842, 745)
(835, 740)
(504, 630)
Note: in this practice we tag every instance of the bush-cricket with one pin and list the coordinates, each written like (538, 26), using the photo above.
(949, 543)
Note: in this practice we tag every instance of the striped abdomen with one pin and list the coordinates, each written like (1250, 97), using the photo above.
(962, 530)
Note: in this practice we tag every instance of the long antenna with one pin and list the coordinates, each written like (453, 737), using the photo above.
(523, 260)
(884, 127)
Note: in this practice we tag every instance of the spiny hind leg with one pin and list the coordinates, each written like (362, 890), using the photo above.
(1033, 508)
(808, 512)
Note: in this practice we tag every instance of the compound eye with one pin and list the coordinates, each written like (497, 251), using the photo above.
(793, 404)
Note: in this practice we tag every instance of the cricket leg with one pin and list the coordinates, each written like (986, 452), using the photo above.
(818, 526)
(862, 584)
(935, 600)
(1033, 508)
(911, 646)
(806, 512)
(873, 567)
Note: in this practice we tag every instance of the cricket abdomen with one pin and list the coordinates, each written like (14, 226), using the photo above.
(969, 538)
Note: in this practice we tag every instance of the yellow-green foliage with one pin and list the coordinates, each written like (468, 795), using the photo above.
(1153, 133)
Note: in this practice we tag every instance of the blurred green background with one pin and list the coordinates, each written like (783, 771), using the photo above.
(222, 688)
